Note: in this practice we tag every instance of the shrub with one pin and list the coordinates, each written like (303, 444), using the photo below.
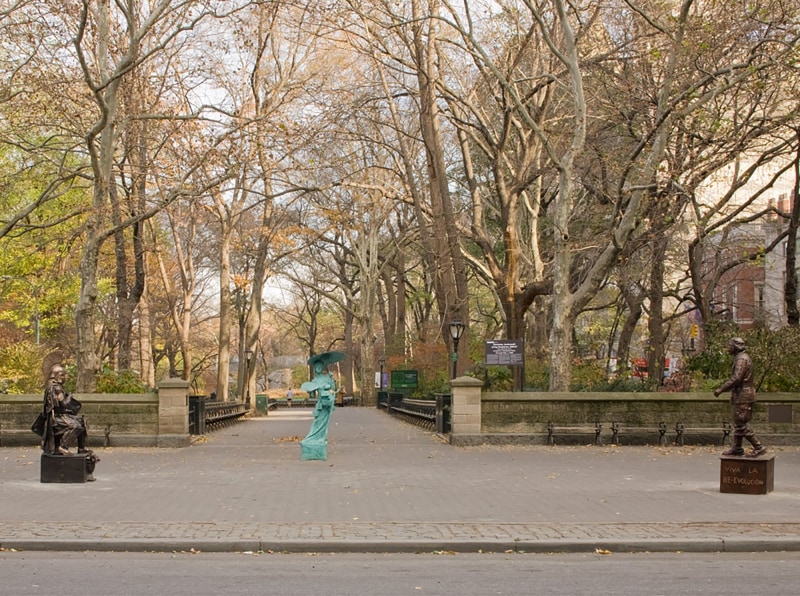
(21, 368)
(775, 354)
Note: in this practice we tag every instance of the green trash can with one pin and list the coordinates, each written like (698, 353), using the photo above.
(261, 403)
(383, 399)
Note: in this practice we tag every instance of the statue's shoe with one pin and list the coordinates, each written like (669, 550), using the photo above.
(733, 451)
(757, 451)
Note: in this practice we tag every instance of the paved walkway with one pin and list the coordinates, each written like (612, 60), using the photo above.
(388, 486)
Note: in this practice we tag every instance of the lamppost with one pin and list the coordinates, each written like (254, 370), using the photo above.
(35, 291)
(248, 356)
(456, 330)
(381, 364)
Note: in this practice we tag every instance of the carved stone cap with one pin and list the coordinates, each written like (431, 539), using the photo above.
(466, 382)
(173, 384)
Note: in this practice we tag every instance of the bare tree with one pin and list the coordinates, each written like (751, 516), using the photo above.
(403, 42)
(609, 48)
(110, 41)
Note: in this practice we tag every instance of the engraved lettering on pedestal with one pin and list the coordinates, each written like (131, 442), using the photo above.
(752, 477)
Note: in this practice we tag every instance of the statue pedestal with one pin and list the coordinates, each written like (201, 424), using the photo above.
(313, 450)
(64, 468)
(747, 476)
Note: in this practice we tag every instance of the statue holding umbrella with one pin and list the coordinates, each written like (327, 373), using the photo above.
(323, 388)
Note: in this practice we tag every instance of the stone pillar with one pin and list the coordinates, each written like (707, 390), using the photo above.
(465, 410)
(173, 413)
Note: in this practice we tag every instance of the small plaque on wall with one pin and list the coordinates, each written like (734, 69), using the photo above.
(779, 413)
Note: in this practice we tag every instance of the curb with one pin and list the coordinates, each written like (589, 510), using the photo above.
(710, 545)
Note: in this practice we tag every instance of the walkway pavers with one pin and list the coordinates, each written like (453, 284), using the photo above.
(390, 486)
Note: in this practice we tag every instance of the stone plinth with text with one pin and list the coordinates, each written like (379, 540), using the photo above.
(747, 476)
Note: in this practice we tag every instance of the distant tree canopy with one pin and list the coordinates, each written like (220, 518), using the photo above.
(185, 183)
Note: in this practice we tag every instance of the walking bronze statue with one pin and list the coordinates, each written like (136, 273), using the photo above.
(743, 397)
(323, 388)
(60, 425)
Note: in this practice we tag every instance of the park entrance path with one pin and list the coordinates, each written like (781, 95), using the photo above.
(390, 486)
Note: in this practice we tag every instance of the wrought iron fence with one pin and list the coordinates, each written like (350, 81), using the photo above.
(432, 414)
(208, 415)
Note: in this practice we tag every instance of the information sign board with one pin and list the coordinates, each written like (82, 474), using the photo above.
(405, 379)
(508, 352)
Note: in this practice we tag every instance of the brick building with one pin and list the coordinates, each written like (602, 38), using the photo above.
(752, 292)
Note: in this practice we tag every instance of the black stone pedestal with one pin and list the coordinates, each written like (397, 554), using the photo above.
(747, 476)
(65, 468)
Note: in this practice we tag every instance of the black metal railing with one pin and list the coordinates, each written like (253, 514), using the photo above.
(223, 414)
(433, 414)
(207, 415)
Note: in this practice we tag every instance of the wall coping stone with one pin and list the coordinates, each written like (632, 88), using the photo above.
(626, 396)
(466, 382)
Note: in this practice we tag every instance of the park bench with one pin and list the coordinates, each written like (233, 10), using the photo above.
(682, 430)
(661, 429)
(554, 429)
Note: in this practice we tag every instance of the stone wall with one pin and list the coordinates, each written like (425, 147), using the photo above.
(133, 420)
(523, 417)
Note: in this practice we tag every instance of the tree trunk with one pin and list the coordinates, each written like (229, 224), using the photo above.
(224, 356)
(561, 332)
(129, 293)
(100, 142)
(633, 314)
(790, 291)
(145, 358)
(450, 271)
(655, 322)
(539, 344)
(348, 379)
(88, 364)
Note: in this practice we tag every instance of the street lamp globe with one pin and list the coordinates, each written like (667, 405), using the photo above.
(381, 364)
(456, 329)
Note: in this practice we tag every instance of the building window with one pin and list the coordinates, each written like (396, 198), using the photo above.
(759, 301)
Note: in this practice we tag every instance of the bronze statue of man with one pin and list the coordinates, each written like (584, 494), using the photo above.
(743, 397)
(63, 427)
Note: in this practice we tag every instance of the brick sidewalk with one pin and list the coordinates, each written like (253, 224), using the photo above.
(394, 537)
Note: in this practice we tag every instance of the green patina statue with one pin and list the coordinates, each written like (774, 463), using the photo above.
(323, 388)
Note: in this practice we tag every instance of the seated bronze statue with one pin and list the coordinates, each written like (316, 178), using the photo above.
(59, 424)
